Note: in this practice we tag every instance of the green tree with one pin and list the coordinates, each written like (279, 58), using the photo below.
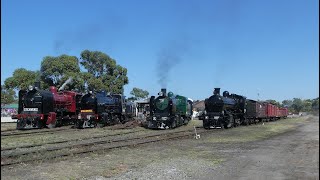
(21, 79)
(315, 104)
(307, 105)
(56, 70)
(138, 94)
(287, 103)
(297, 104)
(7, 95)
(102, 72)
(273, 102)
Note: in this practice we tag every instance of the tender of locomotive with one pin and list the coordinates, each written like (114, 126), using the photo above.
(39, 108)
(102, 109)
(223, 111)
(169, 111)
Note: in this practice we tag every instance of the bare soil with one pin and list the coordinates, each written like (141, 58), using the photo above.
(285, 149)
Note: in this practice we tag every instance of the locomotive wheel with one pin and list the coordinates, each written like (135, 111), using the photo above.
(173, 124)
(52, 125)
(246, 121)
(186, 121)
(230, 122)
(206, 124)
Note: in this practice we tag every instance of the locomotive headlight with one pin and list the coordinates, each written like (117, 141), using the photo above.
(164, 118)
(207, 117)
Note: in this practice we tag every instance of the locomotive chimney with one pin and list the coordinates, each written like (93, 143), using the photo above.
(37, 84)
(216, 91)
(164, 91)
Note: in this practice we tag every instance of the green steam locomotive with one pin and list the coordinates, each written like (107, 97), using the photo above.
(169, 111)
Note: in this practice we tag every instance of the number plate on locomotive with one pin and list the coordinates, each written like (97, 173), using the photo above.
(30, 109)
(87, 110)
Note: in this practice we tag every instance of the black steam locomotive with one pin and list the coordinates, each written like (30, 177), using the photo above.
(102, 109)
(224, 111)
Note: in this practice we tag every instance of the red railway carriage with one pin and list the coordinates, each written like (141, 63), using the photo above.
(40, 108)
(271, 111)
(282, 112)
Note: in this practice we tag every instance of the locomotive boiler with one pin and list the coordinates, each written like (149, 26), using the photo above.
(41, 108)
(102, 109)
(169, 111)
(224, 111)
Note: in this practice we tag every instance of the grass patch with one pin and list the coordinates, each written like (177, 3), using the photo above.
(255, 132)
(8, 126)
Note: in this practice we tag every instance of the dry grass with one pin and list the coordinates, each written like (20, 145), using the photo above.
(8, 126)
(110, 163)
(255, 132)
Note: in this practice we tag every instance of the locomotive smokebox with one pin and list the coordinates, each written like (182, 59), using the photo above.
(37, 84)
(216, 91)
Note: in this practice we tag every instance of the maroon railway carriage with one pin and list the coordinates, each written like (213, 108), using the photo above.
(39, 108)
(255, 111)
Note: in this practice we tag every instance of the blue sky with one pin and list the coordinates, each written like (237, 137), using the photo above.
(247, 47)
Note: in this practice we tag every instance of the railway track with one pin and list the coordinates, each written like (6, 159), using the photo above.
(18, 133)
(65, 141)
(91, 146)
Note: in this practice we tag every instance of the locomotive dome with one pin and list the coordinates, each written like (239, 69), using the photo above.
(170, 94)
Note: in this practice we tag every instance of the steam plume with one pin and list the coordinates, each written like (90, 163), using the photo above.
(64, 84)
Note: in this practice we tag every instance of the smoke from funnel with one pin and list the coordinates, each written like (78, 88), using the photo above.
(64, 84)
(168, 57)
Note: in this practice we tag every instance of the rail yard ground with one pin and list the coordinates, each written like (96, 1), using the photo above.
(284, 149)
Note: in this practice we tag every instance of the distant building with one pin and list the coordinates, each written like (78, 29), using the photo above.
(9, 109)
(198, 105)
(143, 109)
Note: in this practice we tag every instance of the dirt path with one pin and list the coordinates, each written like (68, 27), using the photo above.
(293, 155)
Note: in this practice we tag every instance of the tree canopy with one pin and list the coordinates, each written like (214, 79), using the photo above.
(7, 95)
(56, 70)
(297, 104)
(21, 79)
(138, 94)
(103, 73)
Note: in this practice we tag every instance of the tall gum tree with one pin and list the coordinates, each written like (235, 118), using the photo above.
(103, 73)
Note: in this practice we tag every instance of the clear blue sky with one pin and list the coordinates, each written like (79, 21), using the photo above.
(270, 47)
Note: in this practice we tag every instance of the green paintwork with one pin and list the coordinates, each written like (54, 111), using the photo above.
(181, 105)
(162, 103)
